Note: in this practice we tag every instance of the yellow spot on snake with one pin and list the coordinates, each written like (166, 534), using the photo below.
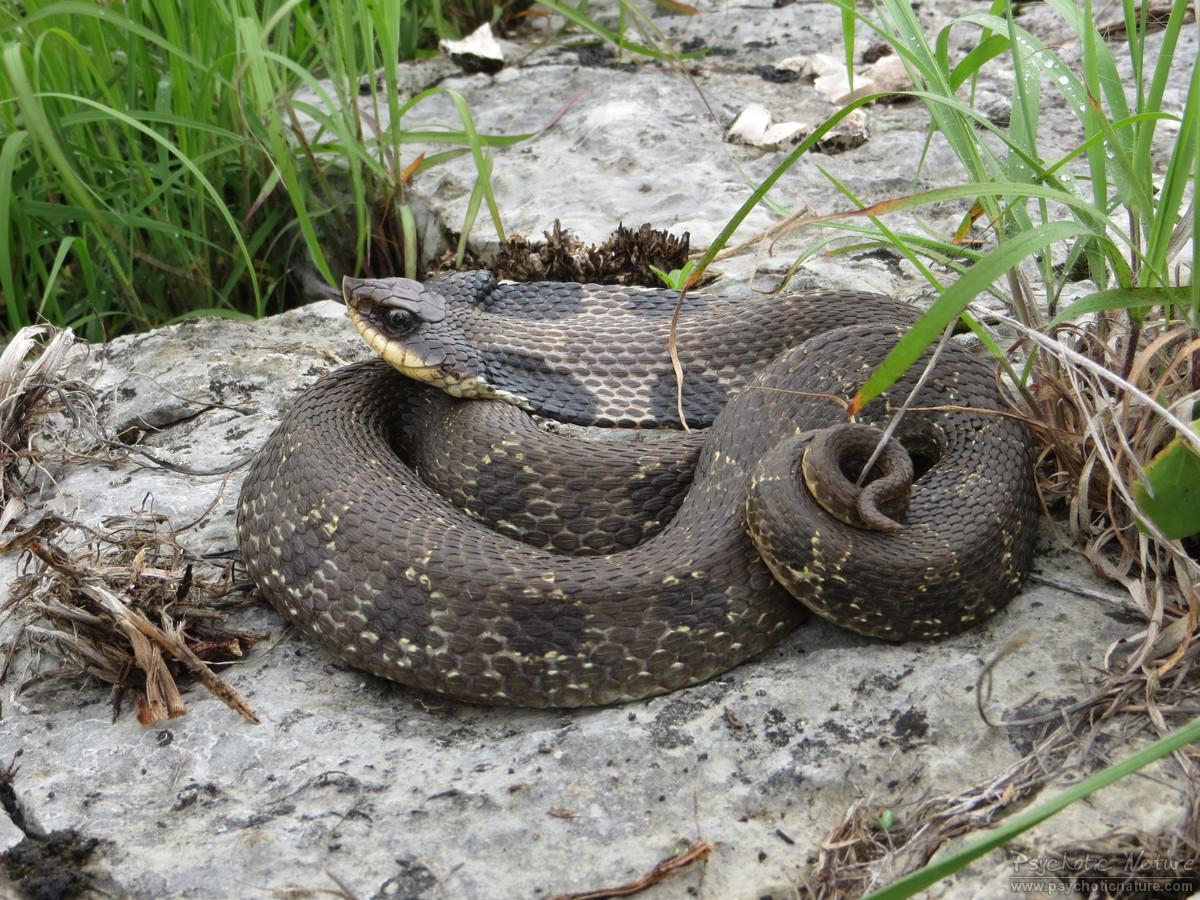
(807, 575)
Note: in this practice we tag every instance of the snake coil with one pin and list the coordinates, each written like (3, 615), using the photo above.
(556, 571)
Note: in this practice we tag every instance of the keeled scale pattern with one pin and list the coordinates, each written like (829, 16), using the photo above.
(350, 544)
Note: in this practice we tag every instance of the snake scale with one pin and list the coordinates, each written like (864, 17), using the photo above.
(557, 571)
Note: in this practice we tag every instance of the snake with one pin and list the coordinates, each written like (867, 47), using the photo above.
(414, 514)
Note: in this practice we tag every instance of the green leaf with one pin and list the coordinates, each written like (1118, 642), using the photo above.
(1170, 496)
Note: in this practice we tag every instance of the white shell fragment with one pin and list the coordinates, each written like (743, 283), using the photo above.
(885, 75)
(889, 74)
(753, 126)
(479, 51)
(847, 134)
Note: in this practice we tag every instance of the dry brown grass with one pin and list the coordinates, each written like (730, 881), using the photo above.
(125, 602)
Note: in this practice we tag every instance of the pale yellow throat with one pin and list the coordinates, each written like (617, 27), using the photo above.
(404, 360)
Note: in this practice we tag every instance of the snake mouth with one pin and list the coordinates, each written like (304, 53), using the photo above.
(415, 355)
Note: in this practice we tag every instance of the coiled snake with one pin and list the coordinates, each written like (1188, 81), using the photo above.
(557, 571)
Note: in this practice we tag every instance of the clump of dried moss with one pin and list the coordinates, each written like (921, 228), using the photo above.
(624, 258)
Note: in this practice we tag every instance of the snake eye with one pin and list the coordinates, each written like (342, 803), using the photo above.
(400, 320)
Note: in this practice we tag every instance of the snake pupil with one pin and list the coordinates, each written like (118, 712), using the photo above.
(400, 320)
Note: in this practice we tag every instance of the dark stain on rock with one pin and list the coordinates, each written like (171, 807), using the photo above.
(461, 735)
(810, 750)
(1024, 737)
(774, 75)
(881, 682)
(412, 882)
(910, 727)
(1124, 616)
(665, 730)
(841, 733)
(777, 731)
(52, 866)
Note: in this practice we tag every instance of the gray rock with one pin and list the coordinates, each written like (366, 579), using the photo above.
(396, 794)
(356, 782)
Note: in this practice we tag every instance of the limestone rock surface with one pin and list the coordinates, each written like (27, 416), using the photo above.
(357, 784)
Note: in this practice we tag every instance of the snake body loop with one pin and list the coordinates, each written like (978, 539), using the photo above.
(556, 571)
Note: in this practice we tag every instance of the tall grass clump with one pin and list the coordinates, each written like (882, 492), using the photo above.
(152, 165)
(1112, 380)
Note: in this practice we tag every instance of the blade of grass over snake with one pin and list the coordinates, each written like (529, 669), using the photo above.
(756, 196)
(955, 299)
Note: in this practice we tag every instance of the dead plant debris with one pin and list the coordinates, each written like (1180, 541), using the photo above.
(32, 390)
(130, 608)
(1099, 395)
(124, 601)
(1137, 865)
(624, 258)
(667, 868)
(877, 842)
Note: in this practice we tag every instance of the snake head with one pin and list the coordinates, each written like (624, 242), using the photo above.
(413, 328)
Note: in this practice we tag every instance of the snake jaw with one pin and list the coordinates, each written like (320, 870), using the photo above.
(423, 355)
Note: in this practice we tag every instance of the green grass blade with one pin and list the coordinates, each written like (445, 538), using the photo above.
(483, 168)
(11, 149)
(951, 304)
(573, 15)
(1178, 178)
(81, 10)
(60, 258)
(757, 195)
(1122, 298)
(924, 877)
